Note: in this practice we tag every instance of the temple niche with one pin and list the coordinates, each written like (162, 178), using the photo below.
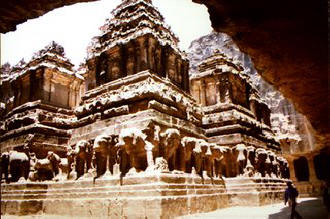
(129, 134)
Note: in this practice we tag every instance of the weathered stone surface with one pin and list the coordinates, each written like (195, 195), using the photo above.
(285, 54)
(287, 48)
(136, 138)
(152, 196)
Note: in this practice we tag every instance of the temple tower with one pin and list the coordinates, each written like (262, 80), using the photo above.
(134, 40)
(234, 114)
(37, 99)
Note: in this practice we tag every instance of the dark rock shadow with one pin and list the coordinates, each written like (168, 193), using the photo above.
(309, 209)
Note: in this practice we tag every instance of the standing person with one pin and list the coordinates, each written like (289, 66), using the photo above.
(290, 195)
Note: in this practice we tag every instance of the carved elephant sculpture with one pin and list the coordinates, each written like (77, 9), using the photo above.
(188, 145)
(260, 164)
(15, 163)
(132, 147)
(83, 157)
(240, 158)
(215, 158)
(249, 170)
(47, 168)
(170, 141)
(104, 154)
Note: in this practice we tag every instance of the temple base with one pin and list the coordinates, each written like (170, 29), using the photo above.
(152, 195)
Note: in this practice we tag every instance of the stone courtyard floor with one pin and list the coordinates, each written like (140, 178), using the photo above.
(308, 208)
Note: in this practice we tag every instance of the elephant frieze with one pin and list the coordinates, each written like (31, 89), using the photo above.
(260, 164)
(132, 150)
(170, 141)
(47, 168)
(15, 163)
(105, 154)
(83, 157)
(240, 158)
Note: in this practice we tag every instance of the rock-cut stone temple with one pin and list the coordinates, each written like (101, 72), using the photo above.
(132, 134)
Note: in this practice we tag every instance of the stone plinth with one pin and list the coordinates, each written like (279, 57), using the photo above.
(152, 195)
(143, 195)
(244, 191)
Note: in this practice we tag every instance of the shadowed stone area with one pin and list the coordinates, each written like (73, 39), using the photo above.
(287, 47)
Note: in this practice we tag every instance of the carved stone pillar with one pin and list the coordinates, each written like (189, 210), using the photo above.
(146, 53)
(217, 90)
(138, 57)
(312, 173)
(47, 87)
(203, 93)
(122, 61)
(158, 61)
(130, 64)
(186, 76)
(291, 168)
(227, 95)
(116, 68)
(143, 53)
(151, 55)
(164, 62)
(150, 159)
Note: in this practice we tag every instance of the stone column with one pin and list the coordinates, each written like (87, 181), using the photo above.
(311, 168)
(143, 54)
(47, 85)
(137, 57)
(146, 52)
(203, 93)
(291, 168)
(151, 55)
(217, 90)
(227, 94)
(123, 50)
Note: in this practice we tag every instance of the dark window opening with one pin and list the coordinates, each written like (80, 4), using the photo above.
(322, 166)
(301, 169)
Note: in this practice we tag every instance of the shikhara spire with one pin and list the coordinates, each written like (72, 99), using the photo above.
(132, 19)
(135, 39)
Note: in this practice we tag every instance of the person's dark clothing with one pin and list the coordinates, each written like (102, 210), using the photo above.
(290, 195)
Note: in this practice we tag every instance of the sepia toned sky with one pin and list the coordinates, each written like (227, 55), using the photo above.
(74, 26)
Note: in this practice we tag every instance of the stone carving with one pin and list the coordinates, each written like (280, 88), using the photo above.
(83, 157)
(261, 156)
(46, 169)
(137, 86)
(71, 172)
(188, 145)
(217, 155)
(170, 141)
(132, 150)
(105, 154)
(15, 163)
(241, 158)
(249, 170)
(161, 165)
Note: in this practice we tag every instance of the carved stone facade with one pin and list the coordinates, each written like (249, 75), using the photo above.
(38, 99)
(136, 125)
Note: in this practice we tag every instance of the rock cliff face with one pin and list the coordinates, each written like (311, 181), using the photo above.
(291, 127)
